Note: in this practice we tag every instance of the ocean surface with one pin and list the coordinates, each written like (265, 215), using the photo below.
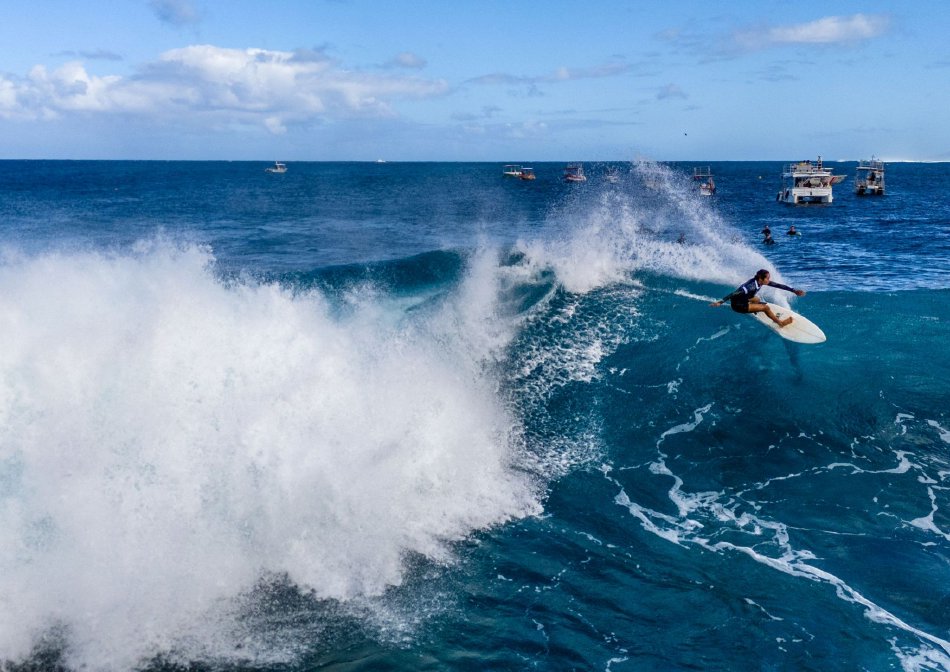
(409, 416)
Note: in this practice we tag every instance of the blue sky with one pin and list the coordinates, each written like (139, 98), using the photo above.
(484, 80)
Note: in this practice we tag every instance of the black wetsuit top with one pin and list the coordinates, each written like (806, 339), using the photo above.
(739, 299)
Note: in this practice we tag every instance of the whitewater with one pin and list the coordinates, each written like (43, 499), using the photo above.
(415, 416)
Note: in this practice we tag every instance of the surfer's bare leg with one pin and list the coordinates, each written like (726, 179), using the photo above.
(759, 307)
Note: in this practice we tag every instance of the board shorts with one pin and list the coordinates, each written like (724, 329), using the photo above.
(739, 306)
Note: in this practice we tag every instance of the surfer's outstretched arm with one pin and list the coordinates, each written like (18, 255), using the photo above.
(796, 292)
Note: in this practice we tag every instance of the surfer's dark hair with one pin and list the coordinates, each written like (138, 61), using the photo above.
(761, 273)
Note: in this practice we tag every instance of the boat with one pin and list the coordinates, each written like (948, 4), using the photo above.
(869, 179)
(612, 174)
(511, 170)
(278, 167)
(574, 172)
(807, 182)
(707, 186)
(527, 174)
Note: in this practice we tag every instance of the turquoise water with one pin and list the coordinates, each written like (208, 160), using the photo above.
(417, 416)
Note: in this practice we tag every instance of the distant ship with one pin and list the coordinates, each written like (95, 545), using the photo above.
(807, 182)
(707, 186)
(574, 173)
(870, 178)
(278, 167)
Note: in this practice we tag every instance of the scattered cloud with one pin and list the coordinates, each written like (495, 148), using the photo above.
(201, 82)
(670, 91)
(562, 74)
(828, 30)
(96, 55)
(507, 131)
(488, 111)
(526, 129)
(775, 73)
(408, 60)
(178, 13)
(711, 45)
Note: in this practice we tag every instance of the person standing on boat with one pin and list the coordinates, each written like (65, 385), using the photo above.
(744, 299)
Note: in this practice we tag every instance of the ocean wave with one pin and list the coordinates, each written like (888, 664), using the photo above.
(203, 464)
(170, 439)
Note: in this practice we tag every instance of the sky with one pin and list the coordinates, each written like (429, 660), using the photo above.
(461, 80)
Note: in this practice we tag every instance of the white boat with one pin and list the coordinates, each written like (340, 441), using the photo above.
(278, 167)
(807, 182)
(707, 186)
(511, 170)
(870, 178)
(574, 172)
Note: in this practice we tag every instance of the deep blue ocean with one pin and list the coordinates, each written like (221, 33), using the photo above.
(410, 416)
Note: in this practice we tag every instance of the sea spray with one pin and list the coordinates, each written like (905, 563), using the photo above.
(578, 348)
(169, 439)
(649, 223)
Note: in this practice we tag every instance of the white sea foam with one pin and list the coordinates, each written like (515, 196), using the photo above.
(168, 439)
(695, 510)
(656, 223)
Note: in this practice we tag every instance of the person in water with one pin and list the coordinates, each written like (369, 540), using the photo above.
(744, 299)
(792, 231)
(767, 231)
(768, 240)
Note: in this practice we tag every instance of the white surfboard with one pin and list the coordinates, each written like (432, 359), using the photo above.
(801, 330)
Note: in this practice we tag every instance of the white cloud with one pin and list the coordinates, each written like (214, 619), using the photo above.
(670, 91)
(275, 125)
(271, 88)
(561, 74)
(828, 30)
(407, 59)
(527, 129)
(488, 111)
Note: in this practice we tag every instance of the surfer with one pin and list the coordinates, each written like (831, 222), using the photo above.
(768, 240)
(744, 299)
(792, 232)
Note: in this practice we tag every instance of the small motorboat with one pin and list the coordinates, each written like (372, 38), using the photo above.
(574, 172)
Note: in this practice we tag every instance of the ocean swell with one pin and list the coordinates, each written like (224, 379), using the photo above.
(169, 439)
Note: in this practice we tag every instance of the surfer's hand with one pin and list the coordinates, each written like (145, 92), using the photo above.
(716, 304)
(799, 292)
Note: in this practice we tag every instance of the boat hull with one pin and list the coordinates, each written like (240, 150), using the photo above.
(798, 196)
